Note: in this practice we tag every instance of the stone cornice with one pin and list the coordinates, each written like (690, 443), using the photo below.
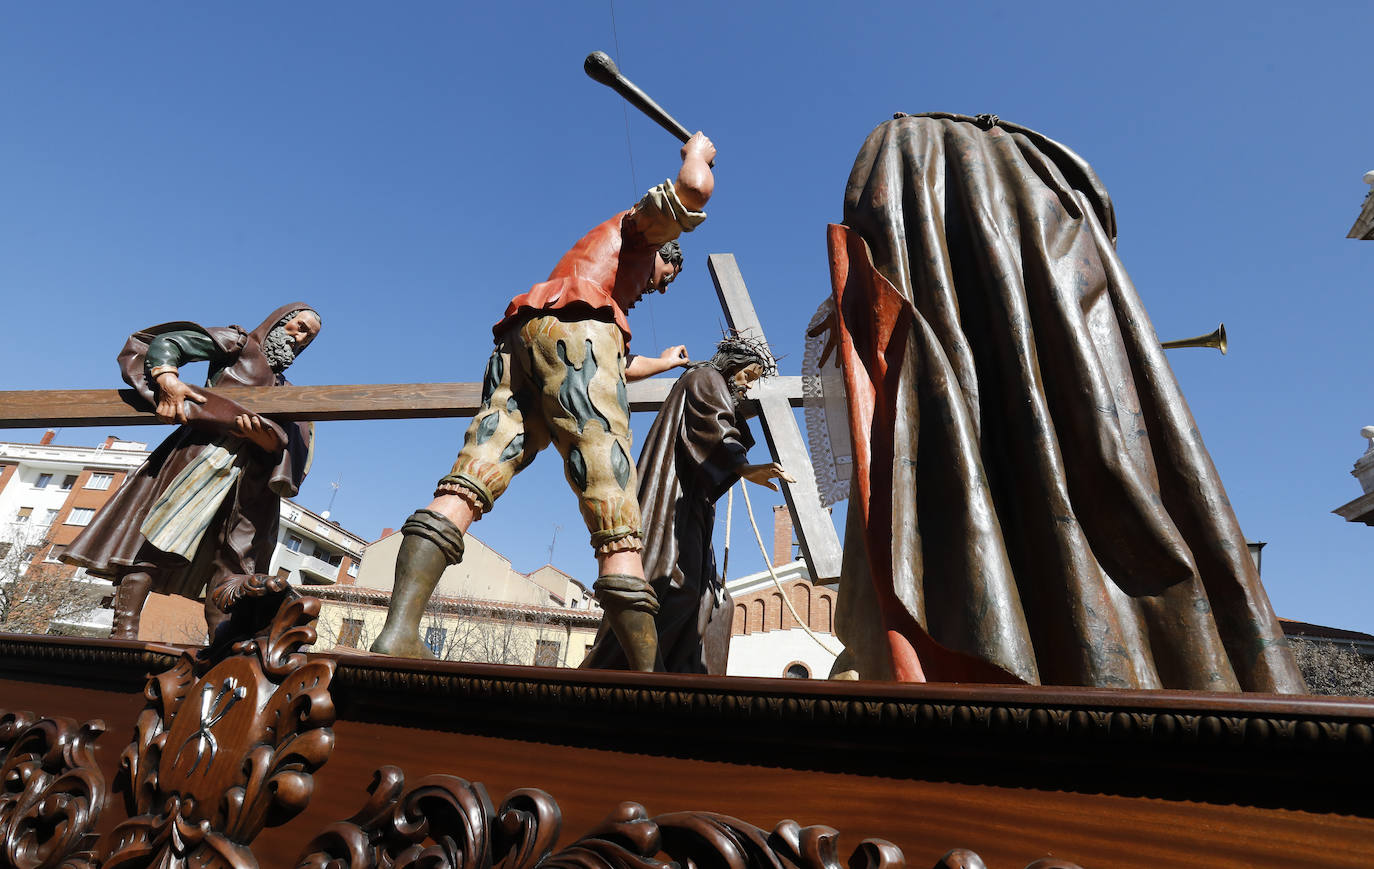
(87, 457)
(1359, 510)
(455, 606)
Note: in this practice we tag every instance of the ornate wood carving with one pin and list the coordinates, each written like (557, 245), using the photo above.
(51, 791)
(1265, 771)
(228, 742)
(1032, 717)
(445, 822)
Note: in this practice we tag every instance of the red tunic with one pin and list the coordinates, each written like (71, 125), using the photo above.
(613, 257)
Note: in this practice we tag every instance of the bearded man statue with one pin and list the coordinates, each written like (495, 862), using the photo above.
(207, 503)
(697, 448)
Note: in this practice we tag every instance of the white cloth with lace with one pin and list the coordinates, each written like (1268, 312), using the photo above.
(826, 413)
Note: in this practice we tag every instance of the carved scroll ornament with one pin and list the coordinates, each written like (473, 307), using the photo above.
(51, 791)
(445, 822)
(228, 744)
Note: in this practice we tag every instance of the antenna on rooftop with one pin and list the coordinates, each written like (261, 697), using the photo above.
(553, 541)
(332, 495)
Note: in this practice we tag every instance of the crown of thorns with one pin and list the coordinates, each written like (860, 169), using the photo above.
(734, 343)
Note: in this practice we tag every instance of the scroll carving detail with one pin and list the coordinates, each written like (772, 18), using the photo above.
(445, 822)
(227, 744)
(51, 790)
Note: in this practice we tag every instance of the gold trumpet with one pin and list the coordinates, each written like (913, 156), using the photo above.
(1216, 338)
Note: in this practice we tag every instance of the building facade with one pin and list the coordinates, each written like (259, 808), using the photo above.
(482, 610)
(783, 628)
(49, 492)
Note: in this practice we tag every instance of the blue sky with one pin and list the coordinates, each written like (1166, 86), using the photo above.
(407, 168)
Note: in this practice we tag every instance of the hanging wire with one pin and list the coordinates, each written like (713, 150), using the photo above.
(625, 110)
(630, 150)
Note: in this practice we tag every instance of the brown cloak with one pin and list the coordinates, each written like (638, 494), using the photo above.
(241, 536)
(1033, 501)
(690, 458)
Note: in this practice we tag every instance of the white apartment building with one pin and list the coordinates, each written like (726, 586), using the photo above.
(49, 492)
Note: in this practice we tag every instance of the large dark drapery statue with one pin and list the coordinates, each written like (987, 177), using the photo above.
(1032, 499)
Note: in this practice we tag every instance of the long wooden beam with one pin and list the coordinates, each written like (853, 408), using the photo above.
(58, 408)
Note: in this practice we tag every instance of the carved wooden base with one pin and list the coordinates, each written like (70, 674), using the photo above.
(710, 769)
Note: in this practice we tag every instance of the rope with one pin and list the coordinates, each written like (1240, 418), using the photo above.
(769, 563)
(729, 523)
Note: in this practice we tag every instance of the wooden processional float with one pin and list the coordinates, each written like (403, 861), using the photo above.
(255, 753)
(123, 755)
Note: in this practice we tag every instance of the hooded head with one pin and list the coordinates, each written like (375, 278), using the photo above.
(286, 333)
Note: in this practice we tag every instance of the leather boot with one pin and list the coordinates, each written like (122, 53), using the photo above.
(129, 596)
(638, 636)
(630, 604)
(430, 543)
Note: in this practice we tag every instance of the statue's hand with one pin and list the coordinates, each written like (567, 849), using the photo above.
(641, 367)
(699, 147)
(764, 475)
(172, 395)
(252, 427)
(675, 356)
(827, 328)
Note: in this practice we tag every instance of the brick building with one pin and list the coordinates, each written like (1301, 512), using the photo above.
(49, 492)
(788, 632)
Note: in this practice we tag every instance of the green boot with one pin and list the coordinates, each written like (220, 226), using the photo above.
(430, 543)
(630, 604)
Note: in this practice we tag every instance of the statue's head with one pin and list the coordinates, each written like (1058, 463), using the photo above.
(289, 338)
(671, 254)
(667, 266)
(743, 361)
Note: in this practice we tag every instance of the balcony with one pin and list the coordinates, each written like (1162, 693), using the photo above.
(307, 569)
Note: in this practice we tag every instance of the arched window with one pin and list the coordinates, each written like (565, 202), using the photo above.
(774, 621)
(801, 602)
(755, 617)
(826, 621)
(740, 624)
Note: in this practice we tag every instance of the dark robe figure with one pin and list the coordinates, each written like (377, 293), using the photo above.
(696, 450)
(1032, 500)
(209, 498)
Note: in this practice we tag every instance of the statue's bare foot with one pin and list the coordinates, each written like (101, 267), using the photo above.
(403, 647)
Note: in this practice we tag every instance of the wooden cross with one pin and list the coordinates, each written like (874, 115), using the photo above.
(776, 396)
(56, 408)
